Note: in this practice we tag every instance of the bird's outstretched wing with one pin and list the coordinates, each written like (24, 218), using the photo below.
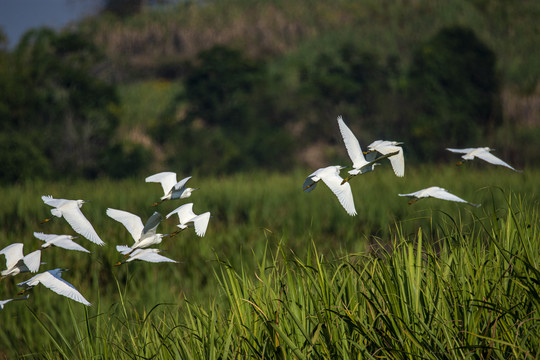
(149, 256)
(445, 195)
(185, 213)
(45, 237)
(181, 183)
(62, 287)
(167, 180)
(79, 223)
(33, 261)
(397, 160)
(351, 144)
(461, 151)
(66, 243)
(492, 159)
(13, 253)
(151, 224)
(343, 192)
(200, 222)
(131, 222)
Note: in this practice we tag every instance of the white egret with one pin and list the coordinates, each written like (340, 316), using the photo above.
(171, 189)
(4, 302)
(17, 263)
(435, 192)
(144, 235)
(188, 218)
(481, 153)
(52, 279)
(330, 176)
(386, 147)
(61, 241)
(360, 164)
(70, 210)
(149, 255)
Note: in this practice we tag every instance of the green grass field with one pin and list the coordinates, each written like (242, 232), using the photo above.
(281, 273)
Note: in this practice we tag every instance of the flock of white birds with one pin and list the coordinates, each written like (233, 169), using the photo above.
(144, 236)
(379, 150)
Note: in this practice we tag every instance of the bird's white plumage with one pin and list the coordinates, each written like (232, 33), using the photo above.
(481, 153)
(330, 176)
(171, 188)
(52, 279)
(187, 217)
(4, 302)
(360, 164)
(61, 241)
(17, 263)
(149, 255)
(143, 235)
(167, 180)
(437, 192)
(70, 210)
(386, 147)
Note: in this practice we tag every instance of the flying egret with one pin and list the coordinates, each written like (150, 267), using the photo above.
(330, 176)
(171, 189)
(188, 218)
(52, 279)
(144, 235)
(360, 164)
(149, 255)
(385, 147)
(4, 302)
(435, 192)
(17, 263)
(481, 153)
(70, 210)
(61, 241)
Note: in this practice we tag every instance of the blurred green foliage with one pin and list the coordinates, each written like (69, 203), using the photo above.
(57, 117)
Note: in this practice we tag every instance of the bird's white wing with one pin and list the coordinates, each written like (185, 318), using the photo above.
(152, 224)
(397, 160)
(492, 159)
(343, 192)
(68, 244)
(181, 183)
(123, 249)
(351, 144)
(151, 257)
(4, 302)
(62, 287)
(33, 261)
(131, 222)
(185, 213)
(445, 195)
(200, 222)
(79, 223)
(413, 194)
(49, 200)
(13, 253)
(45, 237)
(461, 151)
(167, 180)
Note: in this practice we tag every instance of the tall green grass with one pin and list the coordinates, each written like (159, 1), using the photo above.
(284, 272)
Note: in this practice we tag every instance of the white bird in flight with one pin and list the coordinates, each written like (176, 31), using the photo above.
(435, 192)
(17, 263)
(52, 279)
(70, 210)
(360, 164)
(188, 218)
(149, 255)
(61, 241)
(171, 189)
(144, 235)
(330, 176)
(386, 147)
(481, 153)
(4, 302)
